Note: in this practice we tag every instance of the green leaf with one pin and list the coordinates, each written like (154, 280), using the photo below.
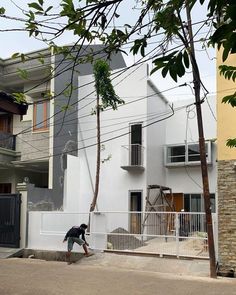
(48, 9)
(19, 97)
(173, 73)
(15, 55)
(231, 142)
(36, 6)
(22, 73)
(22, 56)
(164, 71)
(2, 10)
(230, 99)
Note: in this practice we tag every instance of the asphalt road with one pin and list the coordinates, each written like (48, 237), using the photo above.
(36, 277)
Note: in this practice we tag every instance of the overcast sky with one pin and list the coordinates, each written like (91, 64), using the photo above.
(12, 42)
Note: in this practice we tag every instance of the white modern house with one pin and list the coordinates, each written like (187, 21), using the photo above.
(141, 149)
(145, 142)
(133, 138)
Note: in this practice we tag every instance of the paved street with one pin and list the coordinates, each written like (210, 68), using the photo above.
(37, 277)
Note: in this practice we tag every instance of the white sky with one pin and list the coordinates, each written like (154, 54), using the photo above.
(12, 42)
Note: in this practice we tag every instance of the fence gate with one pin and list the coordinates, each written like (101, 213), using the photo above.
(10, 220)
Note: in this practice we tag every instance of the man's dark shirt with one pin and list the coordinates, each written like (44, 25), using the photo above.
(75, 232)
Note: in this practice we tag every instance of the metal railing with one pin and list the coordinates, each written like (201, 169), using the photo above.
(7, 141)
(132, 155)
(163, 233)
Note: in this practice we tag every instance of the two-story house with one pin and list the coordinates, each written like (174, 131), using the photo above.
(47, 130)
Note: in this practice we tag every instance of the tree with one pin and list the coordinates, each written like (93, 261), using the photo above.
(106, 97)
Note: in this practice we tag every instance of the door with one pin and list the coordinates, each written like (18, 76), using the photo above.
(136, 144)
(10, 220)
(136, 206)
(178, 201)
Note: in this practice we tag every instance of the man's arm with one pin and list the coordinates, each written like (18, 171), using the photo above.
(66, 236)
(83, 237)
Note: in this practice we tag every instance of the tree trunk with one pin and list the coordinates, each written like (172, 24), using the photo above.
(94, 202)
(206, 193)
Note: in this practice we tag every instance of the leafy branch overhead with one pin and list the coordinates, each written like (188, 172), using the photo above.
(104, 87)
(225, 24)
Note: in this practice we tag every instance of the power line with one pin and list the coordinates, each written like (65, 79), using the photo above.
(104, 141)
(103, 134)
(116, 130)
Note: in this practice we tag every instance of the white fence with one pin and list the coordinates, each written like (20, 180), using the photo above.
(164, 233)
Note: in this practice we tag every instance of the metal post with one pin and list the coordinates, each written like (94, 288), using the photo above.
(177, 233)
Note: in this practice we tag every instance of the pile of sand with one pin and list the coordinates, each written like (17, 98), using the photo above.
(123, 241)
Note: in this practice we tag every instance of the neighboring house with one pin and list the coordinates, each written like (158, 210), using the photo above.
(226, 170)
(22, 165)
(10, 111)
(41, 138)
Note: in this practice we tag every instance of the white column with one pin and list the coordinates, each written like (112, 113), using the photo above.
(22, 189)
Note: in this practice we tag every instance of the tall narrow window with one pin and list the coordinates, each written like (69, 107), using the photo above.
(41, 116)
(136, 144)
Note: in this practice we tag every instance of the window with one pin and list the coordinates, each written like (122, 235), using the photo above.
(185, 154)
(41, 116)
(195, 203)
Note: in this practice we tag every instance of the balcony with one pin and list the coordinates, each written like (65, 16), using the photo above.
(132, 157)
(7, 141)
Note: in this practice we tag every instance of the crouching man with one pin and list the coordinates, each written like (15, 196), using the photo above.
(76, 235)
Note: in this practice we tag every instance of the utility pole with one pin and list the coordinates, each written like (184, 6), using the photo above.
(202, 149)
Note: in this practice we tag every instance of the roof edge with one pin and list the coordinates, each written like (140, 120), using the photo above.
(154, 87)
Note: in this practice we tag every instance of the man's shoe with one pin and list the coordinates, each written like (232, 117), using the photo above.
(89, 254)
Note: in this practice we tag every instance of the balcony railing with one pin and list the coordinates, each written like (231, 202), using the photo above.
(7, 141)
(132, 157)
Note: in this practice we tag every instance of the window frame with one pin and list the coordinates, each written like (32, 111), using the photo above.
(187, 161)
(46, 114)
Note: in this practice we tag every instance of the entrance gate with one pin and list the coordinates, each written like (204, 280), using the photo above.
(10, 220)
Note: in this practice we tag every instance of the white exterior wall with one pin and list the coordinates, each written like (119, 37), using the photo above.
(115, 182)
(156, 137)
(179, 129)
(72, 184)
(46, 230)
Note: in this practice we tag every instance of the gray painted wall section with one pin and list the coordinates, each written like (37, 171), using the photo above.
(65, 133)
